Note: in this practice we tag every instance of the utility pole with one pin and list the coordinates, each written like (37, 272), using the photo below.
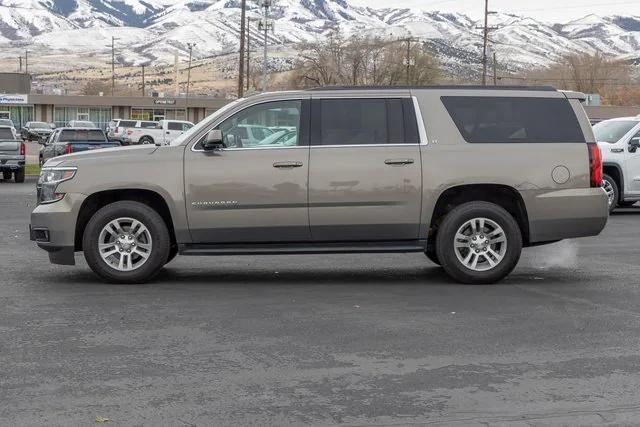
(495, 69)
(113, 65)
(485, 37)
(144, 91)
(408, 60)
(265, 24)
(248, 53)
(20, 59)
(26, 62)
(190, 46)
(243, 6)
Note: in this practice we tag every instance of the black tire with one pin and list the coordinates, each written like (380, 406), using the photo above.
(432, 254)
(446, 237)
(18, 176)
(6, 175)
(173, 252)
(146, 140)
(150, 219)
(616, 191)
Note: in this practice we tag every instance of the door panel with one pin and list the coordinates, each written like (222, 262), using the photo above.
(632, 169)
(355, 194)
(240, 196)
(251, 192)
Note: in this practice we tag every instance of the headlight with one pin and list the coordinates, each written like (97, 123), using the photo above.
(48, 183)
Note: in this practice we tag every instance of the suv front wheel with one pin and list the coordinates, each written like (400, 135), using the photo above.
(126, 242)
(479, 243)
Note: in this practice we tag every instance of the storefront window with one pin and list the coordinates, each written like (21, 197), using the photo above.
(158, 114)
(98, 115)
(19, 115)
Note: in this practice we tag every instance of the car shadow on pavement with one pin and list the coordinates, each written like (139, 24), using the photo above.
(421, 276)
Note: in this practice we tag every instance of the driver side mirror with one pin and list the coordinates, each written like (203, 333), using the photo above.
(213, 141)
(634, 144)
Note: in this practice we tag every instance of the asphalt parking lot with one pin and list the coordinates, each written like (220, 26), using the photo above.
(358, 339)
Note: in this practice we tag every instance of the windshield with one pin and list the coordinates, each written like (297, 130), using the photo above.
(6, 122)
(204, 123)
(612, 131)
(39, 125)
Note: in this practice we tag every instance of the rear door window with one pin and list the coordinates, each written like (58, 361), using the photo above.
(514, 119)
(363, 121)
(174, 126)
(127, 123)
(148, 125)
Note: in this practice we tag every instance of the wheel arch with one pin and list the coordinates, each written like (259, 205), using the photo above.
(502, 195)
(100, 199)
(615, 171)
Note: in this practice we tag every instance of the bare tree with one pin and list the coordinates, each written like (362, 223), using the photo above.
(363, 61)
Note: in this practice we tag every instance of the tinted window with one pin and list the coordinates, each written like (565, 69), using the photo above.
(352, 122)
(148, 125)
(510, 119)
(127, 123)
(81, 135)
(6, 133)
(174, 126)
(613, 130)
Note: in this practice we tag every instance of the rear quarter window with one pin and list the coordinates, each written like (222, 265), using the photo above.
(514, 119)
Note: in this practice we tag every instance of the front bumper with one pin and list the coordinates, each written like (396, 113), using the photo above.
(53, 227)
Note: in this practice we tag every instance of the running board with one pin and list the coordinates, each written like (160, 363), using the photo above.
(302, 248)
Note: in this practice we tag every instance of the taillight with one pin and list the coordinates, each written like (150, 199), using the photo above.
(23, 149)
(129, 132)
(67, 149)
(595, 165)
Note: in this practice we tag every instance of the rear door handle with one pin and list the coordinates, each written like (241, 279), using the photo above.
(287, 165)
(398, 161)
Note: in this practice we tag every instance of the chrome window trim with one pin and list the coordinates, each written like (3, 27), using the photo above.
(422, 130)
(364, 145)
(216, 123)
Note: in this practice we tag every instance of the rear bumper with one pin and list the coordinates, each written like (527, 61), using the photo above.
(53, 227)
(565, 214)
(11, 165)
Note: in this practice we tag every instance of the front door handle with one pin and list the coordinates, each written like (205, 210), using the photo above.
(287, 165)
(398, 161)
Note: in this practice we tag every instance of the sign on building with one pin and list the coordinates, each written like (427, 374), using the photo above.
(163, 101)
(14, 99)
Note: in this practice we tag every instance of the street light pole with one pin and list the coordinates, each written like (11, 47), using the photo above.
(248, 53)
(113, 65)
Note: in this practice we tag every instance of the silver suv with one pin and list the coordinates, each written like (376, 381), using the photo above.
(467, 175)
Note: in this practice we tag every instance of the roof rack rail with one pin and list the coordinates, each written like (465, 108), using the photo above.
(469, 87)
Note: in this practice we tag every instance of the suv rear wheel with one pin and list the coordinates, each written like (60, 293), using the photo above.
(479, 243)
(126, 242)
(146, 140)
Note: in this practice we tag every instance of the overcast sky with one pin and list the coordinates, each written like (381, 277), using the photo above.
(549, 10)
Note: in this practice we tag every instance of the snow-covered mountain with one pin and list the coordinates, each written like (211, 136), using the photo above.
(154, 30)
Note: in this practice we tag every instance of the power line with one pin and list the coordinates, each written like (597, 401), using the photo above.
(485, 37)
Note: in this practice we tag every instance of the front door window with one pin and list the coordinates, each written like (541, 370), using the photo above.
(264, 126)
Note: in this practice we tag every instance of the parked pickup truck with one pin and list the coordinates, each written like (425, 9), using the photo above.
(12, 159)
(163, 133)
(467, 175)
(73, 140)
(619, 140)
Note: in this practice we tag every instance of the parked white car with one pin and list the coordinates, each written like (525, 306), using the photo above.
(619, 141)
(162, 133)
